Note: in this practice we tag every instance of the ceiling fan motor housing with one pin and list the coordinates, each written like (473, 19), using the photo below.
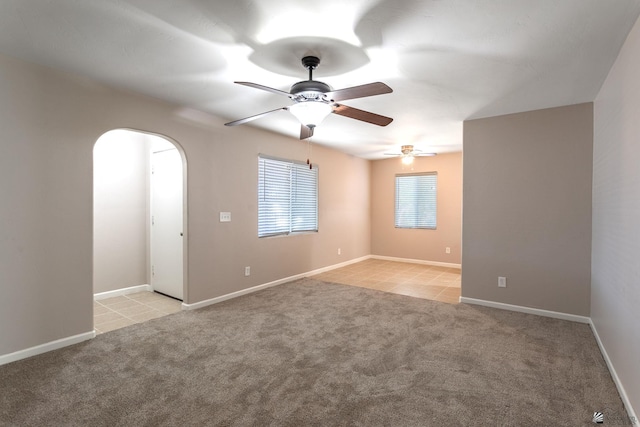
(309, 90)
(406, 149)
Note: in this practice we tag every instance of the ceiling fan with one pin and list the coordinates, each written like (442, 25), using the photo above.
(314, 100)
(408, 153)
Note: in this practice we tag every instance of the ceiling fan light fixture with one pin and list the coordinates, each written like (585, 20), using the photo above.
(407, 159)
(311, 113)
(315, 100)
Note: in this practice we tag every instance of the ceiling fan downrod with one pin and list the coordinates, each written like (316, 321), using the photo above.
(310, 63)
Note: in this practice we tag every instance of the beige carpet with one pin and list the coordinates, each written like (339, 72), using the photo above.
(310, 353)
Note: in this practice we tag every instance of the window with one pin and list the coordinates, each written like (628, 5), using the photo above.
(416, 200)
(287, 197)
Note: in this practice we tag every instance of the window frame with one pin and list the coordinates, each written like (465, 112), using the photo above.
(297, 170)
(400, 222)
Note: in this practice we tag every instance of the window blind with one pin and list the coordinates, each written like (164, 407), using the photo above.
(416, 200)
(287, 197)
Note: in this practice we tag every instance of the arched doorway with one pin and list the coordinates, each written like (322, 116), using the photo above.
(139, 228)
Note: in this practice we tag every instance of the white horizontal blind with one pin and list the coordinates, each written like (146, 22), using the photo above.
(304, 198)
(287, 197)
(416, 200)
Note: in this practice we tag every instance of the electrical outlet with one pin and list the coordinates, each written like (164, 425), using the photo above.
(225, 216)
(447, 250)
(247, 271)
(502, 282)
(339, 251)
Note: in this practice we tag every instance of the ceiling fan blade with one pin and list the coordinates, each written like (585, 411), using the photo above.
(267, 88)
(257, 116)
(362, 91)
(362, 115)
(306, 132)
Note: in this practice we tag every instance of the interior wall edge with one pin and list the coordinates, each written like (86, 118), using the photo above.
(614, 375)
(46, 347)
(527, 310)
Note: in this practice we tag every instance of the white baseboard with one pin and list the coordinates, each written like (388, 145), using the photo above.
(221, 298)
(623, 394)
(54, 345)
(574, 318)
(123, 291)
(528, 310)
(334, 266)
(43, 348)
(416, 261)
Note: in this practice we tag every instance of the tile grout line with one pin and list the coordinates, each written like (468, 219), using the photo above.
(163, 313)
(162, 299)
(385, 277)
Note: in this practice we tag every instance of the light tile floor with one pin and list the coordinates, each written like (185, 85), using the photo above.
(117, 312)
(415, 280)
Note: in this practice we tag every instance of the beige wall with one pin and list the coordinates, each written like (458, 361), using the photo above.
(426, 245)
(615, 274)
(120, 211)
(527, 208)
(50, 122)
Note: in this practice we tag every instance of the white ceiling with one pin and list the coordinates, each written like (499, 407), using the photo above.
(446, 60)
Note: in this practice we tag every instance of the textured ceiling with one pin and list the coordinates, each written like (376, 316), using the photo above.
(446, 60)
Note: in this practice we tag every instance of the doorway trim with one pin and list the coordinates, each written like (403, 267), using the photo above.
(185, 215)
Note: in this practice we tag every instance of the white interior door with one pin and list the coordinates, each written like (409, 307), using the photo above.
(166, 223)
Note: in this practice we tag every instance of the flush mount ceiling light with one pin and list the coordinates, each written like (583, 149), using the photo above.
(315, 100)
